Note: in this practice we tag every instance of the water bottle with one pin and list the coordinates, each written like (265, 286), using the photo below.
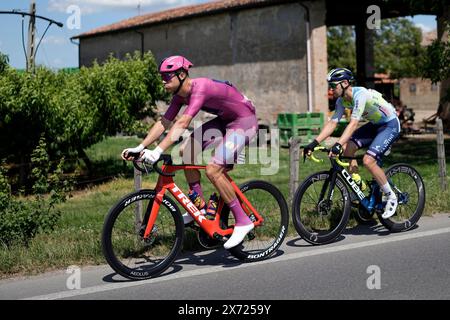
(211, 208)
(196, 199)
(361, 184)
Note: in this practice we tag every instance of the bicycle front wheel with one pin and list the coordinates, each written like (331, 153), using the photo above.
(318, 219)
(409, 188)
(263, 241)
(123, 245)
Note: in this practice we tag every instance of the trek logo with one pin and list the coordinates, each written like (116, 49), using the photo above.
(189, 205)
(353, 184)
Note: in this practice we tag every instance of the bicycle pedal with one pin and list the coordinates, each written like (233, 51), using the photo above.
(251, 235)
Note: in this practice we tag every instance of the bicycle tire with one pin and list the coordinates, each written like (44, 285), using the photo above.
(259, 248)
(399, 222)
(301, 216)
(162, 240)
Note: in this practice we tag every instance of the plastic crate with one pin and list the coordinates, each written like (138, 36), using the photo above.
(301, 120)
(304, 125)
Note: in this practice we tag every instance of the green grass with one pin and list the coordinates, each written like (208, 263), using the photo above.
(76, 239)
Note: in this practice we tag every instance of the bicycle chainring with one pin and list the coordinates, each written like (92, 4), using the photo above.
(206, 241)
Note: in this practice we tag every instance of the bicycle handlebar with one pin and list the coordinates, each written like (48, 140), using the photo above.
(164, 157)
(323, 149)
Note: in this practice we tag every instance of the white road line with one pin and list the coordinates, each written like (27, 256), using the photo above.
(204, 271)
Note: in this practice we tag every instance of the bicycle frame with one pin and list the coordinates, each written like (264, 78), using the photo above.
(338, 167)
(211, 227)
(369, 202)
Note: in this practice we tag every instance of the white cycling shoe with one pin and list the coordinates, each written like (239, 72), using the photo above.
(238, 235)
(391, 207)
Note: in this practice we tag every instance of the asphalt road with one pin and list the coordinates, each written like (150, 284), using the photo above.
(365, 263)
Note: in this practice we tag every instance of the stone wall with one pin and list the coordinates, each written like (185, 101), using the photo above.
(262, 51)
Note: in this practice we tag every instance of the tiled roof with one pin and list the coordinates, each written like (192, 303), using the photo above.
(178, 13)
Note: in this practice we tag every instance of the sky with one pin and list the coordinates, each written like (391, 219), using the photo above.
(56, 50)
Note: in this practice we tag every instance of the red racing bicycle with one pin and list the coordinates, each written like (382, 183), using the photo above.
(144, 232)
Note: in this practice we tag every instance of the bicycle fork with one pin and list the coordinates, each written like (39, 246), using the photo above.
(324, 204)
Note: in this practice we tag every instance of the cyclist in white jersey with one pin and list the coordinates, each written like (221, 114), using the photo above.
(378, 135)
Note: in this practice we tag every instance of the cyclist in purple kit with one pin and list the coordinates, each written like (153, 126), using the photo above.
(236, 121)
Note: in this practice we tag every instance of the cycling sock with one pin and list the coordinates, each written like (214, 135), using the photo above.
(197, 187)
(240, 217)
(386, 188)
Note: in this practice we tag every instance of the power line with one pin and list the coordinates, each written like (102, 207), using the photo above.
(30, 58)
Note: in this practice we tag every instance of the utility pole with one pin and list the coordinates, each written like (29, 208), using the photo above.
(30, 54)
(31, 33)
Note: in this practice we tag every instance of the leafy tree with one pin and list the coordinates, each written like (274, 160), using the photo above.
(21, 220)
(4, 60)
(436, 66)
(397, 48)
(341, 47)
(436, 63)
(74, 110)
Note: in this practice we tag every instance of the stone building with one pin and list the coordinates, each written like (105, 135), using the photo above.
(274, 51)
(259, 46)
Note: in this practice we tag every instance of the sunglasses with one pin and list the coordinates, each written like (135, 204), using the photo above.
(167, 76)
(333, 85)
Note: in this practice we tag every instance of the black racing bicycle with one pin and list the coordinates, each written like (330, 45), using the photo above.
(322, 203)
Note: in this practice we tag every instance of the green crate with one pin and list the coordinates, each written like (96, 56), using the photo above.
(282, 121)
(302, 120)
(305, 135)
(304, 125)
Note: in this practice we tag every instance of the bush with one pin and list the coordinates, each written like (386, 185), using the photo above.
(21, 220)
(73, 111)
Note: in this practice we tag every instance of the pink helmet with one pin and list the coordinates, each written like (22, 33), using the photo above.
(174, 63)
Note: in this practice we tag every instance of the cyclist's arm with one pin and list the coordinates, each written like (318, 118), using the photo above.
(165, 123)
(357, 112)
(156, 131)
(330, 126)
(176, 131)
(327, 130)
(348, 132)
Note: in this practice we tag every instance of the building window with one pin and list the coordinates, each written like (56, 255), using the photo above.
(412, 87)
(434, 87)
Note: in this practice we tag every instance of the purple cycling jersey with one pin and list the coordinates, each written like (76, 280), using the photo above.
(213, 96)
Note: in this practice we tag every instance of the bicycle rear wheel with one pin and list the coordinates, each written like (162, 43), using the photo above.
(410, 191)
(316, 219)
(264, 240)
(123, 245)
